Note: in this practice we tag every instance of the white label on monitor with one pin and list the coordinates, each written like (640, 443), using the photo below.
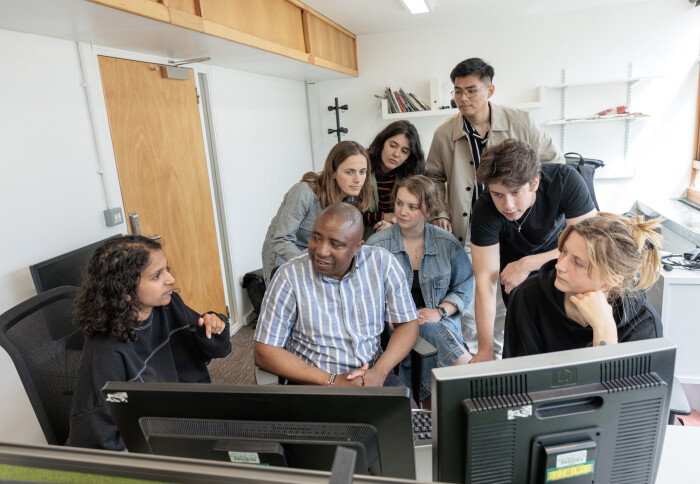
(244, 457)
(571, 458)
(522, 412)
(117, 397)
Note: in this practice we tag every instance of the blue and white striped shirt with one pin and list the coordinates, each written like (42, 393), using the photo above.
(335, 325)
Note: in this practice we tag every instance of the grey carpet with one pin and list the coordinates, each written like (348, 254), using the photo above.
(238, 367)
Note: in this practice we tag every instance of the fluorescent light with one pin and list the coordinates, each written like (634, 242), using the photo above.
(416, 6)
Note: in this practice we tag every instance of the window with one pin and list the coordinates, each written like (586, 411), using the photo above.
(693, 191)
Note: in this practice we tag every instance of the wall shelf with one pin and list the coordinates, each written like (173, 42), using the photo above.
(563, 121)
(630, 117)
(449, 112)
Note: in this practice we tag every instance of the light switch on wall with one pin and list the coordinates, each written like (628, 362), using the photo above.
(114, 216)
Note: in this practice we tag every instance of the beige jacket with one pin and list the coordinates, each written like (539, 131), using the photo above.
(450, 158)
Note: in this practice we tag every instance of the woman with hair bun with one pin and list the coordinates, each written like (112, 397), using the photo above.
(593, 294)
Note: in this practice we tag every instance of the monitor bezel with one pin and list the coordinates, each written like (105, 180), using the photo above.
(387, 408)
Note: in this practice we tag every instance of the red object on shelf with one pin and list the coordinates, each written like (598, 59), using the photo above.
(617, 110)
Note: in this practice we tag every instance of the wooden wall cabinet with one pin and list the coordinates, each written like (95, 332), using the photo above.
(285, 27)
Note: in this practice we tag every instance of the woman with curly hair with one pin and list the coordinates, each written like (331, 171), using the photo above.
(395, 154)
(343, 179)
(593, 294)
(136, 329)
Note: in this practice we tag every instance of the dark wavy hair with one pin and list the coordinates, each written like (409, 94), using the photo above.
(414, 164)
(107, 300)
(512, 163)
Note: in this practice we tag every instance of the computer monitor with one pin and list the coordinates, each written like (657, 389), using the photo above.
(53, 463)
(64, 270)
(594, 414)
(280, 425)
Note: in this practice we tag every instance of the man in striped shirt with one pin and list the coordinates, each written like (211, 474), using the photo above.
(325, 309)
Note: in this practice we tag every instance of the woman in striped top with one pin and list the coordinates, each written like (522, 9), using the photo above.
(343, 179)
(395, 153)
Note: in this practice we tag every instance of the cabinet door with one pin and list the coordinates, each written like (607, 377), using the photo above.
(275, 20)
(326, 41)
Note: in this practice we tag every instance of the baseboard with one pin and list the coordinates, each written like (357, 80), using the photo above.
(250, 317)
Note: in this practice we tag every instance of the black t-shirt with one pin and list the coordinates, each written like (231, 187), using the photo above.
(562, 194)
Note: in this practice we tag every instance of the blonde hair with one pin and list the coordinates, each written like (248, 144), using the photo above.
(620, 246)
(425, 190)
(324, 185)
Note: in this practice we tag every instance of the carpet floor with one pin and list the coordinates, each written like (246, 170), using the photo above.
(238, 367)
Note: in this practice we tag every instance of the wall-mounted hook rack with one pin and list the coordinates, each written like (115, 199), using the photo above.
(337, 110)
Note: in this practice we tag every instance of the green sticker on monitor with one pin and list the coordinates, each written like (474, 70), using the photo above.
(557, 474)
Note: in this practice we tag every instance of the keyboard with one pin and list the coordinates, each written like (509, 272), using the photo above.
(422, 428)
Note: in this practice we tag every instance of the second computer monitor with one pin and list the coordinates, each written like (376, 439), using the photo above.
(283, 425)
(586, 415)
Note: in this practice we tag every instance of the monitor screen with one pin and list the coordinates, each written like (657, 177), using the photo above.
(594, 414)
(63, 270)
(278, 425)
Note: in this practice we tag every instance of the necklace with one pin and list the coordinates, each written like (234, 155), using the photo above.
(520, 225)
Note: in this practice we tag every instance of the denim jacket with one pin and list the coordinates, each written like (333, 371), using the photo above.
(445, 272)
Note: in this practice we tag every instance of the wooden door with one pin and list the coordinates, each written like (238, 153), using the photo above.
(159, 150)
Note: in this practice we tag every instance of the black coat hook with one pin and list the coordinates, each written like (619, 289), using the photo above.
(337, 109)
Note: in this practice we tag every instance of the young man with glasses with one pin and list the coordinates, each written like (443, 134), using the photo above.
(455, 154)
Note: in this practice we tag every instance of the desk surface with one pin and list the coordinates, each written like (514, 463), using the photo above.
(678, 458)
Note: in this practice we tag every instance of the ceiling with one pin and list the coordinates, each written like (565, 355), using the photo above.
(362, 17)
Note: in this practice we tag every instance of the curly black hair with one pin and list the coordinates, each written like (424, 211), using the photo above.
(107, 301)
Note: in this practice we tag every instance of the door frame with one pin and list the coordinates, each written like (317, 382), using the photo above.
(107, 165)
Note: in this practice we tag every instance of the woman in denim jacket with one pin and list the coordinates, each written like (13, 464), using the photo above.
(343, 179)
(437, 270)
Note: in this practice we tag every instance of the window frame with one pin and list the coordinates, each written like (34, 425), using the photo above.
(693, 192)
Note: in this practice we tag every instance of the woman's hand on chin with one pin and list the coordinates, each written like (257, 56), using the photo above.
(595, 311)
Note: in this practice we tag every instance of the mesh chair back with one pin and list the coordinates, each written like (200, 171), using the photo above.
(45, 347)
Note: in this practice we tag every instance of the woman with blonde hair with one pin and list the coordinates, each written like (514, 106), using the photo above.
(593, 294)
(343, 178)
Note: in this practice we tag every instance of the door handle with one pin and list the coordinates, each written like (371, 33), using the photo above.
(135, 224)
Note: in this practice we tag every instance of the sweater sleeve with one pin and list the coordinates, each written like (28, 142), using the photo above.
(218, 346)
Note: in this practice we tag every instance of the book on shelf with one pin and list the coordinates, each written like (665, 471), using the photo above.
(400, 101)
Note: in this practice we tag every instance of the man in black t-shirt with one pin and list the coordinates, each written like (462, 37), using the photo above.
(516, 223)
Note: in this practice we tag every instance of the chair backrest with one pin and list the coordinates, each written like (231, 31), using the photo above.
(45, 347)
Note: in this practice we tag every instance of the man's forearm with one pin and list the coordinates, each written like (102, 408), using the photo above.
(534, 262)
(402, 340)
(485, 314)
(281, 362)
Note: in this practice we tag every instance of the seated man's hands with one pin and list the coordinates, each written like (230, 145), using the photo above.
(352, 378)
(212, 324)
(370, 377)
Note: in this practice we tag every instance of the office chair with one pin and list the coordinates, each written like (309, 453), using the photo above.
(421, 349)
(45, 347)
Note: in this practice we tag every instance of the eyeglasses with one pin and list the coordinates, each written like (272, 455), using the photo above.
(470, 93)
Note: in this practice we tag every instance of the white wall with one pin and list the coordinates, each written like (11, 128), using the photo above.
(659, 37)
(51, 197)
(51, 201)
(264, 148)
